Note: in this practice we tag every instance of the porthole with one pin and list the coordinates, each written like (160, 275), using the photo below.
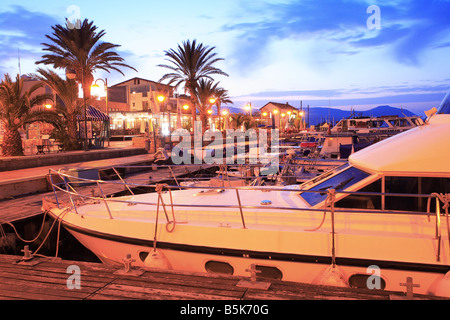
(143, 255)
(266, 272)
(360, 281)
(219, 267)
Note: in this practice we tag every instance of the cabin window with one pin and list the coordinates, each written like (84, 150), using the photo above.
(360, 281)
(341, 181)
(266, 272)
(363, 201)
(401, 185)
(219, 267)
(413, 185)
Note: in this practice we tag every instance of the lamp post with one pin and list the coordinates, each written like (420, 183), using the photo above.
(95, 86)
(248, 107)
(71, 74)
(274, 114)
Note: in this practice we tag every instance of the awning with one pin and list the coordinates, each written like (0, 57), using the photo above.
(93, 114)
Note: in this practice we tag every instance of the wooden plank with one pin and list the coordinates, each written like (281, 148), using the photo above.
(149, 292)
(186, 291)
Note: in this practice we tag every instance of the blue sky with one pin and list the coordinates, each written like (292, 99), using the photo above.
(319, 51)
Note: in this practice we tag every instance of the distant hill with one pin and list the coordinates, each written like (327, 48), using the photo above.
(387, 111)
(318, 114)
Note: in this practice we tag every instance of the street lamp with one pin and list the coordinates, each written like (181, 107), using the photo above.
(248, 107)
(96, 88)
(71, 74)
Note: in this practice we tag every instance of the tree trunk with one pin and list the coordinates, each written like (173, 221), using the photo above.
(204, 119)
(12, 143)
(220, 117)
(72, 132)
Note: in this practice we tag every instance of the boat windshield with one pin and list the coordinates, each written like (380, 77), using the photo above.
(445, 104)
(323, 176)
(341, 181)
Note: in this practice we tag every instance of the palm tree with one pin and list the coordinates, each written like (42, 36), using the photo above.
(204, 93)
(221, 97)
(80, 50)
(69, 109)
(249, 122)
(19, 107)
(237, 120)
(190, 63)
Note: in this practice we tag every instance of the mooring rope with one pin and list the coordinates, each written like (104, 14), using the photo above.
(328, 201)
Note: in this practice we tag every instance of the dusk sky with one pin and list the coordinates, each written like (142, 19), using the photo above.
(319, 52)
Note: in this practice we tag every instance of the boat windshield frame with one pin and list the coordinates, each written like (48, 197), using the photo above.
(341, 179)
(323, 176)
(444, 107)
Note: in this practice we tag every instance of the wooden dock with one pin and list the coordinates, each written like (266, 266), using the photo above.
(50, 279)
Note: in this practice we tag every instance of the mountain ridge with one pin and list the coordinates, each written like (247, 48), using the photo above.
(323, 114)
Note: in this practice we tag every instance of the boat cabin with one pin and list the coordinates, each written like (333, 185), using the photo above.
(411, 164)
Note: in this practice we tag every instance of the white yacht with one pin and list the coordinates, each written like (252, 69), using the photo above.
(374, 222)
(383, 124)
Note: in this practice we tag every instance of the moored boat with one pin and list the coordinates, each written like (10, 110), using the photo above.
(373, 222)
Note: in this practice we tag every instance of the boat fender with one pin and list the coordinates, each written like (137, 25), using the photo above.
(443, 287)
(332, 276)
(157, 260)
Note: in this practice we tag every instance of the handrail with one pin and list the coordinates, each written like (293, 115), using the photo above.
(104, 200)
(374, 211)
(117, 173)
(239, 206)
(445, 199)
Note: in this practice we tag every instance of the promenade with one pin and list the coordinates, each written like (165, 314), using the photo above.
(34, 179)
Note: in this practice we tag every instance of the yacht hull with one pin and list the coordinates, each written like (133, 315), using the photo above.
(300, 256)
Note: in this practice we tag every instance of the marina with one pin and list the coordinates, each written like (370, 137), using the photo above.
(111, 211)
(136, 170)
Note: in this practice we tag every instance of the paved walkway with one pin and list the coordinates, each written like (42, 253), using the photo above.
(31, 180)
(30, 173)
(24, 174)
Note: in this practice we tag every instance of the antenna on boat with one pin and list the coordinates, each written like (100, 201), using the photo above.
(18, 58)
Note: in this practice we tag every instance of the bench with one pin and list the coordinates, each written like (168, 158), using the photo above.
(41, 148)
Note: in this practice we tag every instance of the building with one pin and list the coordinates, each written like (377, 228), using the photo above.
(280, 115)
(138, 105)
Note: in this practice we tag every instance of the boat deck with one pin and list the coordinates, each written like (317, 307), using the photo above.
(49, 278)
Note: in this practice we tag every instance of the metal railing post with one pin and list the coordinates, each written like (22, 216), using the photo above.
(126, 185)
(53, 187)
(104, 200)
(240, 209)
(70, 195)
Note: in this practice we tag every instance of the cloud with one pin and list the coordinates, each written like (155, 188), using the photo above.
(23, 30)
(408, 28)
